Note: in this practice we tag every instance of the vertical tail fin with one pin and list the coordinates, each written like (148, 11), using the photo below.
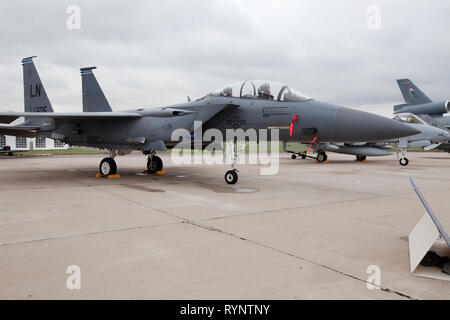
(93, 98)
(35, 97)
(411, 93)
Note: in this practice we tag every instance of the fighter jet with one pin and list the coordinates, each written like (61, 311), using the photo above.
(429, 138)
(418, 103)
(248, 104)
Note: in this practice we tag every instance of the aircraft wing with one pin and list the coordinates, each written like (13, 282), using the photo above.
(67, 115)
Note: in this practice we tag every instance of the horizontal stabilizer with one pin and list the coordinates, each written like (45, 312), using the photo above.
(21, 131)
(8, 119)
(399, 107)
(10, 127)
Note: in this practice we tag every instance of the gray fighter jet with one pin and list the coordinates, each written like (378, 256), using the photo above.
(429, 138)
(418, 103)
(249, 104)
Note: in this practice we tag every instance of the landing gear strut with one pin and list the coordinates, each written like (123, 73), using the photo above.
(154, 163)
(108, 166)
(403, 160)
(231, 176)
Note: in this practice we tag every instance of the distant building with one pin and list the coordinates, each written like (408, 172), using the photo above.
(23, 144)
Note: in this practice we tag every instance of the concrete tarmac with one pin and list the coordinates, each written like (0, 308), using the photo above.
(308, 232)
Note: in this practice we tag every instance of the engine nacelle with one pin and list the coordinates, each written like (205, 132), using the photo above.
(426, 108)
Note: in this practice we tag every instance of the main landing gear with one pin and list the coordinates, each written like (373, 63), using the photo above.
(154, 163)
(108, 166)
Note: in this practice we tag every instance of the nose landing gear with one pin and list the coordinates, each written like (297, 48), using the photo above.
(231, 176)
(403, 161)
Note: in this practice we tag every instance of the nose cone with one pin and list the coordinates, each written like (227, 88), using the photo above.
(443, 135)
(355, 125)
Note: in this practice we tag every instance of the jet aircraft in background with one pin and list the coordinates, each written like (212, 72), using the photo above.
(430, 137)
(418, 103)
(249, 104)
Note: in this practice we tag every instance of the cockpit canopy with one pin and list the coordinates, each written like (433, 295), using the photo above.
(409, 118)
(261, 89)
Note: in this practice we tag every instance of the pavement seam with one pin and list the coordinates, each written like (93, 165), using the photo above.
(88, 233)
(211, 228)
(214, 229)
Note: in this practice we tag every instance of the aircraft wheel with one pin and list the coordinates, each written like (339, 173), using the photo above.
(293, 157)
(154, 164)
(322, 156)
(108, 167)
(404, 161)
(360, 158)
(231, 177)
(303, 156)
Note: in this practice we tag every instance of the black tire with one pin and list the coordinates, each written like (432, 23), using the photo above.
(303, 156)
(360, 158)
(10, 154)
(322, 157)
(231, 177)
(293, 157)
(108, 167)
(154, 164)
(403, 161)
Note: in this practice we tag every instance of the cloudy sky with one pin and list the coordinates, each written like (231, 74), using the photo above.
(155, 53)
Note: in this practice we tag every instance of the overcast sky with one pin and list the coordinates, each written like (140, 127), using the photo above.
(155, 53)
